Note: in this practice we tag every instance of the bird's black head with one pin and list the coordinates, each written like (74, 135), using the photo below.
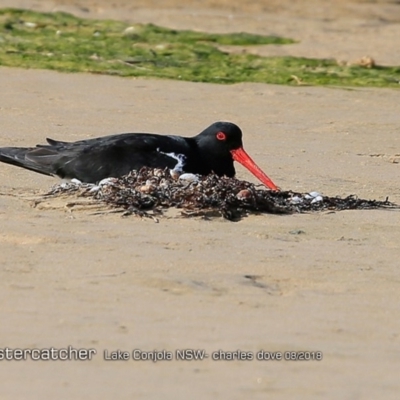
(215, 144)
(220, 138)
(220, 144)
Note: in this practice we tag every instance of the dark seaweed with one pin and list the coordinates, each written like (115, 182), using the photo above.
(149, 192)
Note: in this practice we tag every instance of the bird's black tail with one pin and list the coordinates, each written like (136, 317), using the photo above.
(20, 157)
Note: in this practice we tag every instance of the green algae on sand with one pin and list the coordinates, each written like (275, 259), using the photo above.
(63, 42)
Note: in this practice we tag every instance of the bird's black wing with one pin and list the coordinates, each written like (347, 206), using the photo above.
(111, 156)
(19, 156)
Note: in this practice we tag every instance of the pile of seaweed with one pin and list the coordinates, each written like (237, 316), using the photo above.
(149, 192)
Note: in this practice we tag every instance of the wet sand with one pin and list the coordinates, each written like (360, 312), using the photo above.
(69, 277)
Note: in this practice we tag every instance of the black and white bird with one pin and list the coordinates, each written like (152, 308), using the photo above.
(213, 150)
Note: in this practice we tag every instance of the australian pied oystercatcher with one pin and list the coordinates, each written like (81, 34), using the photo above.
(91, 160)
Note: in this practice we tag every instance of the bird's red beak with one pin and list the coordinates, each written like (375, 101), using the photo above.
(243, 158)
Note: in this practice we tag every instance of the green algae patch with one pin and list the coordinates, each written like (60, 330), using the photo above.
(63, 42)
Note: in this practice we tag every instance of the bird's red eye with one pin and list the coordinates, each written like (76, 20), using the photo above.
(221, 136)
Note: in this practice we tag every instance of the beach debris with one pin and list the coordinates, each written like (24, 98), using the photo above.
(366, 62)
(150, 192)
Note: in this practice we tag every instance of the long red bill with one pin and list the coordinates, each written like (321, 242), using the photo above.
(243, 158)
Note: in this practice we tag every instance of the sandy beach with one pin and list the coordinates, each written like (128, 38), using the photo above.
(324, 282)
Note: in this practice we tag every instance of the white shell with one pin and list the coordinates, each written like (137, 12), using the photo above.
(189, 178)
(317, 199)
(151, 182)
(106, 181)
(76, 181)
(94, 189)
(296, 200)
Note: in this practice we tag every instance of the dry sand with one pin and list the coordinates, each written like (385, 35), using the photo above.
(105, 282)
